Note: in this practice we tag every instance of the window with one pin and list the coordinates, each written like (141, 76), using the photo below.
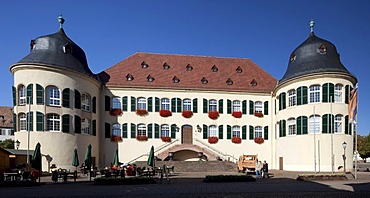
(53, 96)
(86, 126)
(85, 102)
(292, 130)
(258, 132)
(236, 131)
(338, 124)
(322, 49)
(22, 95)
(292, 98)
(141, 103)
(165, 104)
(175, 79)
(150, 78)
(258, 107)
(314, 124)
(292, 57)
(144, 65)
(204, 80)
(239, 70)
(141, 130)
(189, 67)
(214, 68)
(212, 105)
(129, 77)
(338, 93)
(22, 122)
(187, 104)
(229, 81)
(236, 106)
(165, 131)
(314, 93)
(53, 122)
(166, 66)
(116, 130)
(253, 83)
(213, 131)
(116, 103)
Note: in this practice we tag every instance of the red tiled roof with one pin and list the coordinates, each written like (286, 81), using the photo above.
(226, 78)
(6, 117)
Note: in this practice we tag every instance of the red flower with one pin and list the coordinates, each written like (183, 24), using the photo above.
(116, 112)
(259, 140)
(142, 138)
(187, 113)
(212, 140)
(213, 115)
(141, 112)
(236, 140)
(237, 114)
(258, 114)
(116, 138)
(165, 113)
(166, 139)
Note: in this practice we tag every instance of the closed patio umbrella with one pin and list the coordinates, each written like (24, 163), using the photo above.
(36, 157)
(88, 159)
(150, 161)
(115, 160)
(75, 161)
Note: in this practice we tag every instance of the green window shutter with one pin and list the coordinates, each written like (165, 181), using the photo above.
(304, 125)
(251, 132)
(65, 100)
(284, 128)
(280, 128)
(228, 132)
(244, 132)
(221, 106)
(331, 123)
(133, 105)
(133, 131)
(124, 104)
(280, 102)
(266, 108)
(331, 92)
(107, 130)
(299, 125)
(77, 99)
(266, 132)
(156, 130)
(173, 131)
(283, 95)
(205, 105)
(325, 94)
(299, 96)
(346, 125)
(30, 121)
(195, 105)
(14, 90)
(30, 94)
(124, 130)
(325, 123)
(179, 104)
(304, 95)
(157, 104)
(65, 123)
(40, 121)
(173, 105)
(150, 130)
(15, 122)
(350, 129)
(94, 127)
(94, 104)
(346, 94)
(77, 124)
(107, 103)
(228, 106)
(220, 132)
(39, 94)
(150, 104)
(205, 131)
(251, 107)
(244, 107)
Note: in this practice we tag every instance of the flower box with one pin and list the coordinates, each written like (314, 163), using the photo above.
(142, 138)
(187, 114)
(258, 114)
(141, 112)
(115, 112)
(213, 115)
(166, 139)
(237, 114)
(212, 140)
(236, 140)
(165, 113)
(259, 140)
(116, 138)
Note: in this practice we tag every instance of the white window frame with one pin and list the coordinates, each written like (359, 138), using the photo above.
(85, 102)
(338, 124)
(292, 97)
(187, 104)
(22, 122)
(141, 103)
(165, 130)
(212, 105)
(292, 126)
(116, 103)
(212, 131)
(338, 93)
(52, 122)
(141, 130)
(315, 93)
(258, 107)
(314, 124)
(258, 132)
(116, 130)
(236, 106)
(86, 126)
(165, 104)
(22, 93)
(53, 96)
(236, 131)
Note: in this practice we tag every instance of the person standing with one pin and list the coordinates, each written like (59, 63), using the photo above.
(258, 169)
(265, 169)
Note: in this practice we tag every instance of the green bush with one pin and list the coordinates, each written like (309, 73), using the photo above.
(321, 176)
(228, 178)
(124, 181)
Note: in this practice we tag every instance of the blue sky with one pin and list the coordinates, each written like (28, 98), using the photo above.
(264, 31)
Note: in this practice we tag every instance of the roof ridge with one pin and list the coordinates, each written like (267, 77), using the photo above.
(204, 56)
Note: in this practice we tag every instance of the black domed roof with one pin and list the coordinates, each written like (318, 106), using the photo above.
(314, 55)
(57, 50)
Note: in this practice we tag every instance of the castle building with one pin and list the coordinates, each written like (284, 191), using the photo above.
(187, 107)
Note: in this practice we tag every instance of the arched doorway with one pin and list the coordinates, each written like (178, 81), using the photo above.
(187, 134)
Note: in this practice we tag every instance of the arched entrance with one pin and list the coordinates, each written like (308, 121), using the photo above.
(187, 134)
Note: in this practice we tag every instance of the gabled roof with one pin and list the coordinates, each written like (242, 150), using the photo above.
(149, 70)
(6, 117)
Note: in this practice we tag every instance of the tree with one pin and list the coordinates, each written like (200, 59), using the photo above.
(7, 144)
(364, 146)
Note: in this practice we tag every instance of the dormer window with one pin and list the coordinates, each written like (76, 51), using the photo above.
(166, 66)
(322, 49)
(253, 83)
(204, 80)
(239, 70)
(144, 65)
(189, 67)
(292, 57)
(214, 68)
(32, 45)
(150, 78)
(129, 77)
(67, 48)
(175, 79)
(229, 82)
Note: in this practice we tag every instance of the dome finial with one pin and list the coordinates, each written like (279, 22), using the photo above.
(61, 21)
(312, 24)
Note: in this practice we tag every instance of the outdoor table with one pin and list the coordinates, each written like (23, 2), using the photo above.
(12, 176)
